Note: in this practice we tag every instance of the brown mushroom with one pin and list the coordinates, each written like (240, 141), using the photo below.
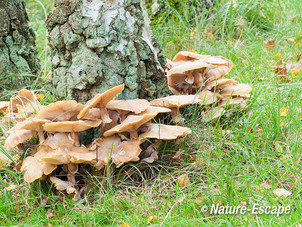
(4, 160)
(66, 185)
(233, 102)
(133, 122)
(236, 89)
(3, 106)
(60, 111)
(101, 100)
(127, 151)
(35, 125)
(34, 167)
(164, 132)
(188, 56)
(124, 107)
(16, 136)
(213, 113)
(70, 154)
(216, 73)
(71, 126)
(220, 82)
(104, 147)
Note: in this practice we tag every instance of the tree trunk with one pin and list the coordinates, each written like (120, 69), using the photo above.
(17, 45)
(98, 44)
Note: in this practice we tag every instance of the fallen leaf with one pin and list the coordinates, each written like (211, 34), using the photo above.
(151, 219)
(125, 225)
(183, 180)
(281, 192)
(270, 44)
(278, 55)
(179, 155)
(278, 147)
(11, 187)
(284, 111)
(39, 96)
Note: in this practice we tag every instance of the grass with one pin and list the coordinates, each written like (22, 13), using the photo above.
(237, 160)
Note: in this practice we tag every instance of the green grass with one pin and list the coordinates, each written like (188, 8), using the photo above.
(225, 168)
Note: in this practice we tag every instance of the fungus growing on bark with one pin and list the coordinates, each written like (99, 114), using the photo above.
(101, 100)
(71, 126)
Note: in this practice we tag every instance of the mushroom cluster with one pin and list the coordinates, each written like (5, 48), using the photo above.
(203, 75)
(129, 130)
(129, 133)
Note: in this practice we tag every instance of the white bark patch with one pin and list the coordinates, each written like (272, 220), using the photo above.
(90, 8)
(121, 46)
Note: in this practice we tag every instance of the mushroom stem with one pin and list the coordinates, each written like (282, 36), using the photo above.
(190, 78)
(75, 137)
(41, 136)
(133, 135)
(105, 116)
(176, 115)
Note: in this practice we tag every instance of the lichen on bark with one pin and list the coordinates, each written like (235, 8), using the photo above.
(17, 45)
(98, 44)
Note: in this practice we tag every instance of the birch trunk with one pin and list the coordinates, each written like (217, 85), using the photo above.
(98, 44)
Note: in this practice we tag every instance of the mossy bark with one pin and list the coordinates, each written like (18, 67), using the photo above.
(98, 44)
(17, 45)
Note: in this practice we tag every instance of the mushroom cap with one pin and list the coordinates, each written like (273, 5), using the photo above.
(70, 154)
(176, 101)
(207, 97)
(188, 56)
(71, 126)
(60, 111)
(177, 84)
(101, 99)
(34, 167)
(4, 161)
(34, 124)
(23, 98)
(58, 140)
(233, 102)
(216, 73)
(93, 114)
(133, 122)
(4, 106)
(219, 60)
(219, 82)
(104, 148)
(188, 66)
(132, 105)
(66, 185)
(236, 89)
(213, 113)
(17, 136)
(164, 132)
(127, 151)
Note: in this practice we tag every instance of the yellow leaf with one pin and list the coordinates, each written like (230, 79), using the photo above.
(151, 218)
(278, 55)
(39, 96)
(183, 180)
(11, 187)
(125, 225)
(296, 71)
(284, 111)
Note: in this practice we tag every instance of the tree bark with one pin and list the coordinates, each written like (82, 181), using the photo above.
(98, 44)
(17, 45)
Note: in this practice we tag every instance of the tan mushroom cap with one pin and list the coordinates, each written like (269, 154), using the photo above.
(216, 73)
(101, 100)
(188, 66)
(236, 89)
(127, 151)
(60, 111)
(178, 85)
(188, 56)
(233, 102)
(213, 113)
(24, 97)
(71, 126)
(4, 161)
(218, 60)
(17, 136)
(164, 132)
(70, 154)
(34, 124)
(104, 147)
(133, 122)
(207, 97)
(219, 82)
(93, 114)
(66, 185)
(176, 101)
(132, 105)
(3, 106)
(34, 167)
(59, 140)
